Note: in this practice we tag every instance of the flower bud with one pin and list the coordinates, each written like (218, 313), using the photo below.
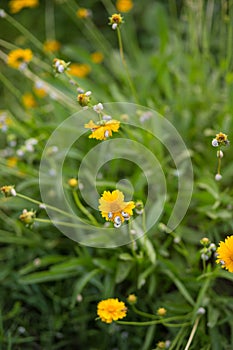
(27, 217)
(218, 177)
(8, 191)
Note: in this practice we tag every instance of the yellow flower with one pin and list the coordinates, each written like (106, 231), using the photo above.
(225, 253)
(27, 217)
(104, 130)
(80, 70)
(51, 46)
(83, 13)
(222, 139)
(113, 208)
(19, 57)
(124, 5)
(161, 311)
(18, 5)
(111, 310)
(115, 20)
(28, 101)
(12, 162)
(8, 191)
(39, 90)
(97, 57)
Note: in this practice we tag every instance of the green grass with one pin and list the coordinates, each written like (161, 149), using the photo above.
(179, 58)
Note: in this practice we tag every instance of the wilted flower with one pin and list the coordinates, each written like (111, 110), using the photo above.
(27, 217)
(8, 191)
(59, 65)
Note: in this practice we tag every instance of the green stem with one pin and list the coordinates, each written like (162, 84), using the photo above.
(25, 32)
(83, 209)
(63, 223)
(192, 333)
(10, 86)
(125, 64)
(149, 323)
(219, 166)
(46, 205)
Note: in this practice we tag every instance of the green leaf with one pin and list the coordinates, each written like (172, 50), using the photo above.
(81, 283)
(123, 269)
(46, 276)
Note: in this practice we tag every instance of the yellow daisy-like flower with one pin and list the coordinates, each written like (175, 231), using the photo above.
(19, 57)
(18, 5)
(225, 254)
(104, 130)
(114, 208)
(51, 46)
(124, 5)
(28, 101)
(83, 13)
(111, 310)
(97, 57)
(80, 70)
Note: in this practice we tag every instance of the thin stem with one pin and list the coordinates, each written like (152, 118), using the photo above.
(49, 20)
(219, 166)
(63, 223)
(46, 205)
(149, 323)
(25, 32)
(192, 333)
(125, 64)
(83, 209)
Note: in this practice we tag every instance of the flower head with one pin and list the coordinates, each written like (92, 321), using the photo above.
(79, 70)
(225, 253)
(27, 217)
(111, 310)
(115, 20)
(103, 129)
(5, 121)
(18, 5)
(161, 311)
(59, 65)
(28, 100)
(97, 57)
(113, 208)
(221, 139)
(8, 191)
(83, 13)
(132, 299)
(124, 5)
(84, 98)
(51, 46)
(40, 89)
(19, 58)
(72, 182)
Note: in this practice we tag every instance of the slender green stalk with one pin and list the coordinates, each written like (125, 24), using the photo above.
(149, 323)
(62, 223)
(49, 20)
(192, 332)
(25, 32)
(10, 86)
(125, 64)
(83, 209)
(46, 205)
(219, 166)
